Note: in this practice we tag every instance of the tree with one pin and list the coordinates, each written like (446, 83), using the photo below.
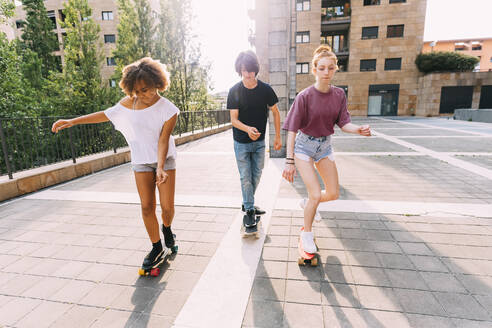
(81, 77)
(6, 10)
(136, 31)
(38, 35)
(176, 47)
(445, 61)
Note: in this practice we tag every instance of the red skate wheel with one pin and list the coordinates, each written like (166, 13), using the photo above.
(155, 272)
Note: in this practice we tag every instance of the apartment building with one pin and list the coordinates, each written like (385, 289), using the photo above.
(481, 48)
(104, 13)
(376, 42)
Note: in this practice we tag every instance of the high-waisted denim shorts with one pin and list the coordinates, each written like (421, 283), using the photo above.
(169, 165)
(308, 147)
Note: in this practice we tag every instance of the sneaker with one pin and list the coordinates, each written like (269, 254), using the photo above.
(153, 257)
(168, 236)
(308, 244)
(317, 216)
(249, 219)
(258, 211)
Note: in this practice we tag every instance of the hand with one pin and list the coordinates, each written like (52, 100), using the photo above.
(289, 172)
(277, 143)
(160, 177)
(60, 125)
(253, 133)
(365, 130)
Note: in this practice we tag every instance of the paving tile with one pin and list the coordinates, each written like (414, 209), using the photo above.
(73, 291)
(481, 285)
(366, 259)
(295, 271)
(370, 276)
(153, 321)
(428, 263)
(167, 303)
(182, 280)
(78, 316)
(443, 282)
(378, 298)
(462, 306)
(293, 315)
(265, 289)
(134, 299)
(190, 263)
(44, 314)
(419, 302)
(115, 319)
(264, 314)
(275, 253)
(272, 269)
(337, 273)
(334, 294)
(18, 284)
(45, 288)
(16, 309)
(395, 261)
(419, 320)
(303, 292)
(102, 295)
(463, 323)
(406, 279)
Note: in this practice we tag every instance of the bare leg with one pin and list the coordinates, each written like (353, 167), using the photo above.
(166, 195)
(310, 179)
(146, 190)
(328, 171)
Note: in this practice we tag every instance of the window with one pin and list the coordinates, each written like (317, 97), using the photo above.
(302, 68)
(112, 83)
(395, 31)
(110, 61)
(302, 37)
(109, 38)
(491, 59)
(459, 46)
(52, 17)
(397, 1)
(19, 23)
(345, 89)
(367, 65)
(476, 45)
(61, 15)
(372, 2)
(303, 5)
(392, 64)
(107, 15)
(370, 32)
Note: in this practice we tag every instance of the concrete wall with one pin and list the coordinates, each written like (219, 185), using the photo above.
(32, 180)
(429, 92)
(473, 115)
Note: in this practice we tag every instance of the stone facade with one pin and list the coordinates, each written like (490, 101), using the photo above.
(311, 18)
(430, 85)
(108, 26)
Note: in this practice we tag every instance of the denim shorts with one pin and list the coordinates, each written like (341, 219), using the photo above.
(169, 165)
(308, 147)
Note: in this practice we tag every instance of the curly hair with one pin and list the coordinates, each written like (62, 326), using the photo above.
(321, 52)
(247, 60)
(147, 70)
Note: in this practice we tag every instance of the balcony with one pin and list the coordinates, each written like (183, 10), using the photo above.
(335, 13)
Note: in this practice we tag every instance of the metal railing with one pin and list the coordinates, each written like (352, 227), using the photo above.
(29, 143)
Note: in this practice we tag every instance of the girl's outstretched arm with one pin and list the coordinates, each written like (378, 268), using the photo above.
(97, 117)
(363, 130)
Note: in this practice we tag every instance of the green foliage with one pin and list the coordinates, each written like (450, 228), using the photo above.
(80, 82)
(136, 32)
(38, 35)
(178, 49)
(7, 8)
(11, 92)
(442, 61)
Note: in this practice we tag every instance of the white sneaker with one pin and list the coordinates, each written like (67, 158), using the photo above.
(317, 216)
(308, 242)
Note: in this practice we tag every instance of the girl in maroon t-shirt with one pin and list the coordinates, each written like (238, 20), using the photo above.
(312, 117)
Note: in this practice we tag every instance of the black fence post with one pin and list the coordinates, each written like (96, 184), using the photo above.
(71, 145)
(5, 152)
(113, 139)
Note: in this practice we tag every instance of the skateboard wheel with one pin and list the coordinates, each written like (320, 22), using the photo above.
(300, 261)
(141, 272)
(314, 261)
(174, 249)
(155, 272)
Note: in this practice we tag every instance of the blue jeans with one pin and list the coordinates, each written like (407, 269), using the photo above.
(250, 158)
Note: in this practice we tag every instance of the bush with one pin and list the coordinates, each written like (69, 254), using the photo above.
(442, 61)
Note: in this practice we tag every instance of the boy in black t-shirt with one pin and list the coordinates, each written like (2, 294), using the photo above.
(249, 102)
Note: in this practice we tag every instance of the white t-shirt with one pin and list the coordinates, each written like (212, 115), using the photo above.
(142, 128)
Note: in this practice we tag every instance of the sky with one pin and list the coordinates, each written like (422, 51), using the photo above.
(222, 28)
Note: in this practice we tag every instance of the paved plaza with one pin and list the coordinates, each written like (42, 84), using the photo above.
(408, 244)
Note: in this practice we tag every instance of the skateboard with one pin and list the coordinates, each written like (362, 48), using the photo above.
(304, 257)
(251, 231)
(155, 270)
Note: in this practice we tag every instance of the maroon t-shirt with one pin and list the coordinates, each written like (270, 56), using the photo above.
(315, 113)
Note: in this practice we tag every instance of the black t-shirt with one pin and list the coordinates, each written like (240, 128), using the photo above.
(253, 107)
